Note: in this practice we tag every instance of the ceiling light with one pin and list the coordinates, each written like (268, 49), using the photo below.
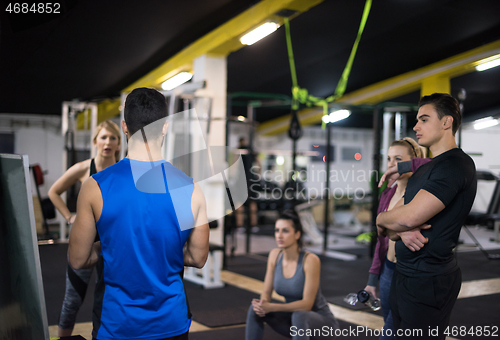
(485, 123)
(260, 32)
(488, 63)
(335, 116)
(178, 79)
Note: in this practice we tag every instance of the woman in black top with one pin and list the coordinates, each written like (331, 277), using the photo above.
(107, 141)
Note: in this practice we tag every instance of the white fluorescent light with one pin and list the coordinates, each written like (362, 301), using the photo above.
(280, 160)
(260, 32)
(489, 64)
(178, 79)
(485, 123)
(335, 116)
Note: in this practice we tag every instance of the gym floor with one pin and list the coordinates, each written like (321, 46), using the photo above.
(220, 313)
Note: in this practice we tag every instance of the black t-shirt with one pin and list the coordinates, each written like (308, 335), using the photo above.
(451, 177)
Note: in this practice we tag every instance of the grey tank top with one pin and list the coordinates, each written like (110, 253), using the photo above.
(293, 287)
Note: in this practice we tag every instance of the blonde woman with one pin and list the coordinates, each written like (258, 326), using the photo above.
(107, 140)
(384, 259)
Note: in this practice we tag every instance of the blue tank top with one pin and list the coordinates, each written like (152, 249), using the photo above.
(140, 293)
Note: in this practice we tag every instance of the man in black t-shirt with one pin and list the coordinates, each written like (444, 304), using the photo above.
(438, 198)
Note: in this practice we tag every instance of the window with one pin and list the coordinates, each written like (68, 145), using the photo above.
(6, 143)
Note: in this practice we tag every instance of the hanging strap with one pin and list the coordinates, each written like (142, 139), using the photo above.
(300, 95)
(291, 61)
(339, 91)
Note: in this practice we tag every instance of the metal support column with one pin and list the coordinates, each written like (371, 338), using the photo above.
(377, 122)
(250, 117)
(327, 186)
(294, 156)
(387, 122)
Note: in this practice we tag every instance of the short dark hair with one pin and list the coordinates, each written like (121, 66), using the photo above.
(143, 107)
(291, 215)
(445, 105)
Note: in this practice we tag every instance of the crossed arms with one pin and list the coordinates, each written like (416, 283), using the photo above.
(409, 219)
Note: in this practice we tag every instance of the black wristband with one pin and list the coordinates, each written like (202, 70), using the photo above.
(372, 280)
(404, 167)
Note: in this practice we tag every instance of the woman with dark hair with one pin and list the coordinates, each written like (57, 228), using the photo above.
(384, 259)
(294, 274)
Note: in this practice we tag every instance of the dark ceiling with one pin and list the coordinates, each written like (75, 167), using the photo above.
(96, 48)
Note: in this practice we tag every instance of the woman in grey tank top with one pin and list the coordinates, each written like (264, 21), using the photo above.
(295, 275)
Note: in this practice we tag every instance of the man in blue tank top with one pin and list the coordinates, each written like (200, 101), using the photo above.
(438, 198)
(151, 219)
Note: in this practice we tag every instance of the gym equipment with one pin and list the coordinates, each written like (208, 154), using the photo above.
(77, 147)
(209, 275)
(491, 218)
(309, 225)
(48, 209)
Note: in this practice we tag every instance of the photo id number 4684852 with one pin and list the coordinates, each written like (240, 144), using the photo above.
(479, 331)
(37, 7)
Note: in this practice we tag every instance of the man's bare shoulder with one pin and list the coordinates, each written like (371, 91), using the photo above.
(198, 195)
(90, 195)
(90, 189)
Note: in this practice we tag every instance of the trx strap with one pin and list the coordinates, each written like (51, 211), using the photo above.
(301, 95)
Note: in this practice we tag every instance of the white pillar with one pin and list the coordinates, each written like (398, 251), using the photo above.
(398, 126)
(93, 126)
(386, 136)
(213, 70)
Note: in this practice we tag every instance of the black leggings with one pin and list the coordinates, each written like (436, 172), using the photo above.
(76, 288)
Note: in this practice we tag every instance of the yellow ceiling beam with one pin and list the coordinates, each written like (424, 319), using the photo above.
(428, 78)
(106, 109)
(221, 41)
(436, 84)
(282, 124)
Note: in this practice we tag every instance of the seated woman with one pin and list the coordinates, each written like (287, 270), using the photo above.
(295, 275)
